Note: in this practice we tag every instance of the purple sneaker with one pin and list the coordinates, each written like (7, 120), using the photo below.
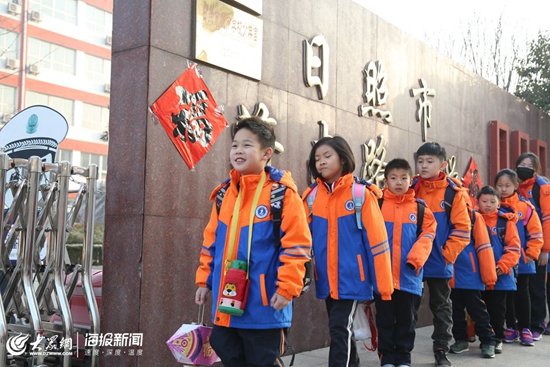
(527, 338)
(511, 335)
(536, 336)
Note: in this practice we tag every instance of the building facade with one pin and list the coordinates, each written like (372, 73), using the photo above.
(58, 53)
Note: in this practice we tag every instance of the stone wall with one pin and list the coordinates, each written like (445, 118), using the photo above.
(156, 208)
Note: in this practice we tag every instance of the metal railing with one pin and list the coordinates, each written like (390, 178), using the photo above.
(38, 218)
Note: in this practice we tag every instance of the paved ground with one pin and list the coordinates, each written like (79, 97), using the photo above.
(514, 355)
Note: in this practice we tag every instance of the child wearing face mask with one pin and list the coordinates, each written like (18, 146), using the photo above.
(518, 303)
(537, 190)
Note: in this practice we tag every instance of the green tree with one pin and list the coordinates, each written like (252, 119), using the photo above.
(534, 74)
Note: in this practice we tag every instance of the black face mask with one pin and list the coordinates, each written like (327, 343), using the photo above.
(525, 173)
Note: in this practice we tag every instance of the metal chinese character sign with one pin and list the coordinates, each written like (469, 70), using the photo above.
(316, 66)
(374, 164)
(261, 111)
(450, 169)
(424, 106)
(376, 92)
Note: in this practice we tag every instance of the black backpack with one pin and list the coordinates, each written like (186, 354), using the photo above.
(276, 203)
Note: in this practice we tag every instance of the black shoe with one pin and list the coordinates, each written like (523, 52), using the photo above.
(441, 359)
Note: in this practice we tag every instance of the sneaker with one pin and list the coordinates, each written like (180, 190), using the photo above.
(547, 329)
(441, 359)
(511, 335)
(527, 338)
(536, 336)
(472, 339)
(498, 348)
(459, 346)
(488, 351)
(388, 365)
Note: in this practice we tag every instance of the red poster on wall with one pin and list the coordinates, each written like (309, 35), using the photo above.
(472, 181)
(190, 116)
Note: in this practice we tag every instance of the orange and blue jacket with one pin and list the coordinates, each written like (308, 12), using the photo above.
(271, 269)
(408, 252)
(453, 234)
(526, 190)
(529, 229)
(349, 262)
(475, 266)
(506, 246)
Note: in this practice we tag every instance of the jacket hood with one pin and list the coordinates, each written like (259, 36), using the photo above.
(407, 196)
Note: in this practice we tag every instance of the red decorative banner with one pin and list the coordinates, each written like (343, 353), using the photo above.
(190, 116)
(472, 181)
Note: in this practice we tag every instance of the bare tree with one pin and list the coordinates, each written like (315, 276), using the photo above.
(491, 48)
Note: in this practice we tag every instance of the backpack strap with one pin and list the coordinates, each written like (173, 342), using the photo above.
(420, 217)
(501, 229)
(276, 202)
(221, 193)
(311, 198)
(358, 194)
(536, 193)
(449, 197)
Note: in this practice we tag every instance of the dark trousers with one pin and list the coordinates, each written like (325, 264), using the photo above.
(343, 350)
(518, 305)
(471, 301)
(395, 323)
(496, 307)
(440, 305)
(537, 292)
(548, 293)
(247, 347)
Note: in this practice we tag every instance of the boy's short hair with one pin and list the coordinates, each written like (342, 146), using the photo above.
(258, 127)
(488, 190)
(398, 163)
(341, 146)
(512, 175)
(432, 148)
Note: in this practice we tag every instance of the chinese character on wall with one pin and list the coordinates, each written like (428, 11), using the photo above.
(374, 164)
(376, 92)
(424, 106)
(316, 66)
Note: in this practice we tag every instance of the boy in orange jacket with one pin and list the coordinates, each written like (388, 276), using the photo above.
(474, 269)
(248, 328)
(411, 229)
(452, 236)
(504, 236)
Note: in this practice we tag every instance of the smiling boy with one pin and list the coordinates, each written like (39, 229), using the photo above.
(452, 236)
(275, 268)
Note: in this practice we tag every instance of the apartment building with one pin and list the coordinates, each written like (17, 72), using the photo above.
(58, 53)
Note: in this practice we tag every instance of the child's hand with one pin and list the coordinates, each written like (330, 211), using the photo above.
(543, 258)
(202, 295)
(499, 271)
(528, 259)
(279, 302)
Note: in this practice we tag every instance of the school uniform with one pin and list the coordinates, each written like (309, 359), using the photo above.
(410, 249)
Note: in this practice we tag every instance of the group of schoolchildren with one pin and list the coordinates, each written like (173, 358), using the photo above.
(487, 262)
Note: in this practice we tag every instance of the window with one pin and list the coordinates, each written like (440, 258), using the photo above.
(97, 69)
(7, 100)
(61, 105)
(9, 44)
(99, 21)
(51, 56)
(64, 155)
(101, 161)
(64, 10)
(95, 117)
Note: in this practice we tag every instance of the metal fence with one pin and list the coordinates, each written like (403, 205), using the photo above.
(38, 286)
